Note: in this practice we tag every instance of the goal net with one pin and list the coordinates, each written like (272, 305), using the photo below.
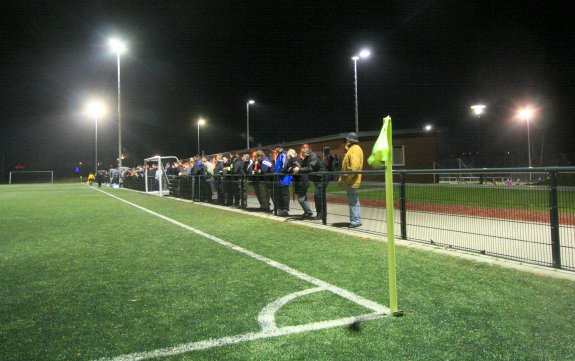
(21, 177)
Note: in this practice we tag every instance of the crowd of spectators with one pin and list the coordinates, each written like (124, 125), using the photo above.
(224, 179)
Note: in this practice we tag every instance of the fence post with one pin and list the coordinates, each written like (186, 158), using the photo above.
(402, 211)
(324, 196)
(193, 188)
(554, 220)
(243, 192)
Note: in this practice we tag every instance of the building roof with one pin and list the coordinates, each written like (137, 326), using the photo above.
(327, 138)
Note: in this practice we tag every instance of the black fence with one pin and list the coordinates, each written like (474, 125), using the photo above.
(522, 214)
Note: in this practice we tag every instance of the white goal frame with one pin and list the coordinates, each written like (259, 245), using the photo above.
(32, 171)
(160, 174)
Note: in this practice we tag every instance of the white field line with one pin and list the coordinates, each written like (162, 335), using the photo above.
(376, 307)
(202, 345)
(267, 316)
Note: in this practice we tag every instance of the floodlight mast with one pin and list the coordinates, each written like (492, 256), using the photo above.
(118, 47)
(250, 102)
(478, 110)
(200, 122)
(526, 114)
(96, 110)
(362, 54)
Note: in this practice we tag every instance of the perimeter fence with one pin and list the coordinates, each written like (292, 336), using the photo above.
(522, 214)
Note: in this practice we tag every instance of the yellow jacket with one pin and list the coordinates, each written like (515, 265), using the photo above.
(91, 177)
(353, 161)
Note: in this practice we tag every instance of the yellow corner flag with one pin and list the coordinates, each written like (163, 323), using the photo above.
(382, 155)
(382, 149)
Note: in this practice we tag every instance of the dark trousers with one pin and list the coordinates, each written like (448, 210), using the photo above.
(281, 197)
(318, 196)
(235, 193)
(257, 191)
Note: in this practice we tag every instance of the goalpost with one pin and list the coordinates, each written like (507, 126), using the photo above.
(156, 180)
(31, 176)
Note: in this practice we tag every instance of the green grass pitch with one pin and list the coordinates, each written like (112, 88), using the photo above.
(85, 276)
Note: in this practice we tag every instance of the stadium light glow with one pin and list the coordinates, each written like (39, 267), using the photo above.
(478, 109)
(96, 109)
(364, 53)
(525, 113)
(117, 45)
(428, 127)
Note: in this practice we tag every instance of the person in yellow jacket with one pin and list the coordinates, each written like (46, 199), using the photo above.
(91, 178)
(353, 161)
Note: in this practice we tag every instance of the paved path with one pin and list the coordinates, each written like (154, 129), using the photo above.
(519, 240)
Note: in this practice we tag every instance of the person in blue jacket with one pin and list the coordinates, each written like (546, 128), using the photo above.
(282, 183)
(264, 165)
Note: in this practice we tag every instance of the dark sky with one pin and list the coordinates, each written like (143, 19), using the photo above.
(430, 61)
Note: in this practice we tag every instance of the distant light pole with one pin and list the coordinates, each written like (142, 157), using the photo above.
(428, 128)
(96, 109)
(526, 114)
(118, 47)
(250, 102)
(478, 110)
(362, 54)
(200, 122)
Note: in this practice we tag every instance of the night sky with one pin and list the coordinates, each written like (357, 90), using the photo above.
(431, 60)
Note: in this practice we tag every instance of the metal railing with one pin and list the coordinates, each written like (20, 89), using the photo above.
(495, 214)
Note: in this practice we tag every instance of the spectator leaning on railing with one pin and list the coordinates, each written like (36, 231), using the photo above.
(353, 161)
(312, 163)
(264, 166)
(282, 183)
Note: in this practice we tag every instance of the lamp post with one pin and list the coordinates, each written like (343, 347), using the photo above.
(200, 122)
(478, 110)
(250, 102)
(362, 54)
(96, 109)
(118, 47)
(526, 114)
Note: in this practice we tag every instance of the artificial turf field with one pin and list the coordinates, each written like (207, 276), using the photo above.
(85, 276)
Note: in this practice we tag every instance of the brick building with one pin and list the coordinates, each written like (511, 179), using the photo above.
(412, 148)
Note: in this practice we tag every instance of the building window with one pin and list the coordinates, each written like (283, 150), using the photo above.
(399, 155)
(325, 153)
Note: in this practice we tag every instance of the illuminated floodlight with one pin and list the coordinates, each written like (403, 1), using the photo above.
(117, 45)
(96, 109)
(478, 109)
(428, 128)
(201, 121)
(251, 101)
(526, 113)
(364, 53)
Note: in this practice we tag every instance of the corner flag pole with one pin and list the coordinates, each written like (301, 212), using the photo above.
(382, 151)
(390, 236)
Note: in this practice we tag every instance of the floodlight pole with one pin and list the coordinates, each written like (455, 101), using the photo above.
(528, 118)
(478, 110)
(249, 102)
(248, 125)
(96, 143)
(355, 58)
(119, 122)
(198, 137)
